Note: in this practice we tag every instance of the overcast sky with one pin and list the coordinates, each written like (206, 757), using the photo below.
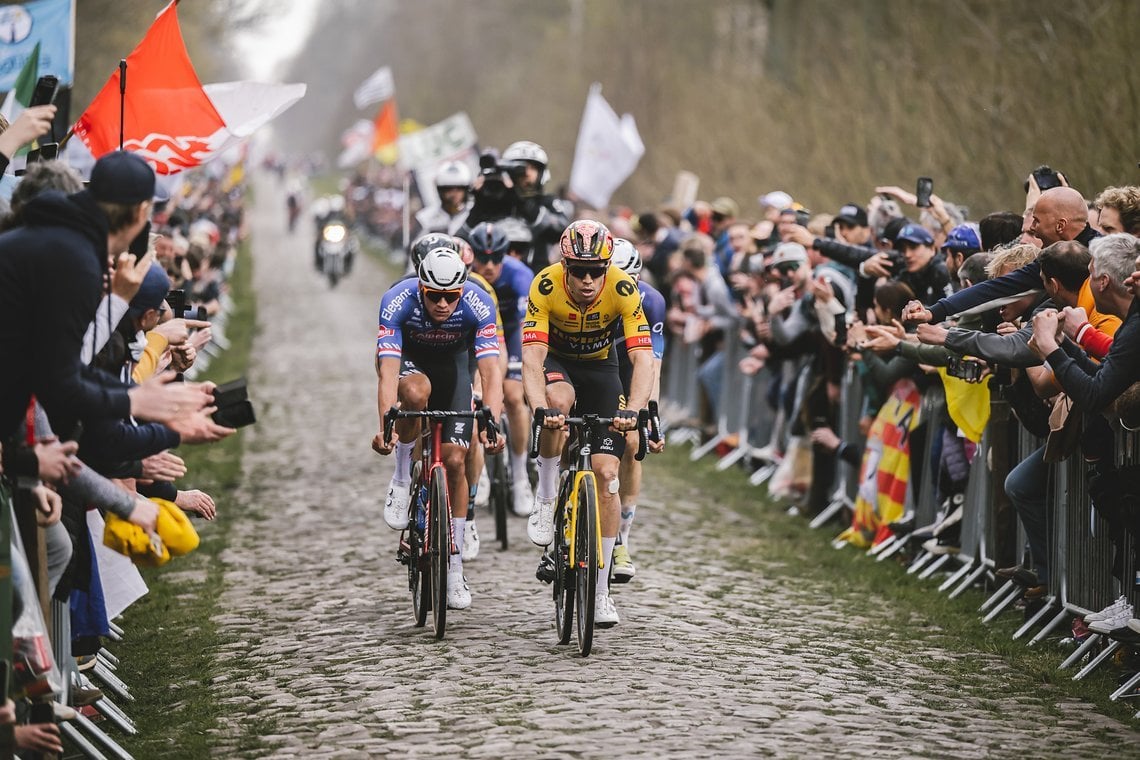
(279, 38)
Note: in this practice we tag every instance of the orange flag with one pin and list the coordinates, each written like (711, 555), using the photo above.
(386, 133)
(168, 118)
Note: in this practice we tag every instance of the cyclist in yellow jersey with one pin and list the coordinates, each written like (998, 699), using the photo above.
(567, 358)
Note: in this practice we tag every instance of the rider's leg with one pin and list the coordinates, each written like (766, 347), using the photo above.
(473, 465)
(560, 396)
(454, 456)
(519, 416)
(414, 392)
(605, 467)
(630, 477)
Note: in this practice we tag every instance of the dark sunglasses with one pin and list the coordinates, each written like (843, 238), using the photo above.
(579, 272)
(787, 267)
(447, 296)
(489, 258)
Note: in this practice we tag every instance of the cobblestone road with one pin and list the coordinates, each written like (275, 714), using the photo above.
(708, 660)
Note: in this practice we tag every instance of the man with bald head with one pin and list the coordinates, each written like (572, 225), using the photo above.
(1057, 214)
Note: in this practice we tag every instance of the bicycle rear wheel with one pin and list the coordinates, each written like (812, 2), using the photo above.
(416, 579)
(563, 574)
(439, 514)
(586, 561)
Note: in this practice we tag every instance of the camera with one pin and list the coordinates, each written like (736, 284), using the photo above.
(969, 370)
(234, 408)
(1046, 178)
(176, 300)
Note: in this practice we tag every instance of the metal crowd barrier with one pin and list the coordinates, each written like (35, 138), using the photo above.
(680, 407)
(1081, 548)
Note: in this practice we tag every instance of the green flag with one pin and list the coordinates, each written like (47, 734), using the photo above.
(21, 93)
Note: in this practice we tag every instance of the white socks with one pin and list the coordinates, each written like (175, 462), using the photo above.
(404, 451)
(547, 477)
(626, 523)
(608, 556)
(518, 466)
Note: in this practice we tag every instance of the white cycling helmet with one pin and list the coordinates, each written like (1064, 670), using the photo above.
(442, 269)
(525, 150)
(453, 174)
(626, 258)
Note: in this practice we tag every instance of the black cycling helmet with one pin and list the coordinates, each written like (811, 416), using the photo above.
(489, 239)
(429, 242)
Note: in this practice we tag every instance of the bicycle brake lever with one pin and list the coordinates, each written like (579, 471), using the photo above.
(642, 434)
(654, 422)
(536, 431)
(390, 423)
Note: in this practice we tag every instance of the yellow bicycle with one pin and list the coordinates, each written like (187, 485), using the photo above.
(576, 555)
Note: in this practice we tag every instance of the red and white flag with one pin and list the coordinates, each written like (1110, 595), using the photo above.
(169, 118)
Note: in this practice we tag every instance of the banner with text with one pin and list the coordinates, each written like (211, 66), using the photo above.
(51, 23)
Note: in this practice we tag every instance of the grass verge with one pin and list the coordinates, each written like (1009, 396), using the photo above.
(761, 538)
(167, 655)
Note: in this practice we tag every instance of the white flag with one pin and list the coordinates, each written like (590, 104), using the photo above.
(375, 88)
(357, 142)
(607, 152)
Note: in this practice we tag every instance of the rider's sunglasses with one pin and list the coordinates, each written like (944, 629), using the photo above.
(489, 258)
(581, 272)
(447, 296)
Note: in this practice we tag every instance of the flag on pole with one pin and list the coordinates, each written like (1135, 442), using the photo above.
(386, 135)
(375, 88)
(357, 142)
(608, 150)
(171, 120)
(21, 93)
(46, 27)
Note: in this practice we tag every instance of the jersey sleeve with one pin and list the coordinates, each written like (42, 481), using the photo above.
(654, 304)
(393, 312)
(483, 311)
(536, 321)
(637, 333)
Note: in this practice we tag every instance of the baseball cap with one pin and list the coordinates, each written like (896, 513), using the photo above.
(121, 177)
(725, 206)
(775, 199)
(853, 214)
(964, 237)
(913, 233)
(152, 292)
(787, 253)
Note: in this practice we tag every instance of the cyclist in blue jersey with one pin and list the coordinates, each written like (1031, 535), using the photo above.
(627, 258)
(511, 280)
(427, 328)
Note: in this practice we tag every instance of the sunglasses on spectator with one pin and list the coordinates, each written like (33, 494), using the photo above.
(447, 296)
(580, 272)
(489, 258)
(787, 267)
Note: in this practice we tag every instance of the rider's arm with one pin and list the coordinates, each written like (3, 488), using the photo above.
(387, 384)
(641, 384)
(486, 345)
(491, 375)
(535, 340)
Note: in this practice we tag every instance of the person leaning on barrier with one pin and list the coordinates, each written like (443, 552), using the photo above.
(1057, 214)
(1112, 276)
(51, 273)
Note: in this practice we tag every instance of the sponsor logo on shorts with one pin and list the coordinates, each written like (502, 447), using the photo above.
(554, 377)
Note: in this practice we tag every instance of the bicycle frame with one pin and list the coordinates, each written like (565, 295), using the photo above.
(578, 470)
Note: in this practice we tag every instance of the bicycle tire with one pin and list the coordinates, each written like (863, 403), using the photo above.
(439, 514)
(586, 561)
(416, 579)
(563, 574)
(500, 496)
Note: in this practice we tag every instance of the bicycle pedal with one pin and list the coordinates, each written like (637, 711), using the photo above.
(546, 571)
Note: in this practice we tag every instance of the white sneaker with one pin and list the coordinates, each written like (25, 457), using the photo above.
(605, 613)
(483, 489)
(1119, 620)
(1108, 611)
(396, 506)
(522, 497)
(540, 526)
(470, 542)
(458, 593)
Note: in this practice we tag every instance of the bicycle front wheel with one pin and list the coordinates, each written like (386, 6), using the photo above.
(417, 579)
(563, 585)
(586, 560)
(440, 516)
(500, 496)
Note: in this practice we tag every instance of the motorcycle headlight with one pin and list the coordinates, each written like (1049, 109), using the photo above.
(334, 233)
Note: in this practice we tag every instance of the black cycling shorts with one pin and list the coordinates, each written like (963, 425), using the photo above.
(597, 390)
(450, 378)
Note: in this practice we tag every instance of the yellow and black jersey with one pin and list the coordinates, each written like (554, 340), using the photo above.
(572, 332)
(489, 290)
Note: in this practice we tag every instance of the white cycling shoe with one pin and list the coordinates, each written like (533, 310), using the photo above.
(605, 612)
(540, 526)
(470, 541)
(483, 489)
(396, 506)
(522, 497)
(458, 593)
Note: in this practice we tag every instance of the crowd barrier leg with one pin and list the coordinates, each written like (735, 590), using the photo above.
(102, 739)
(977, 574)
(1097, 661)
(1126, 687)
(1080, 652)
(1048, 606)
(919, 563)
(731, 352)
(934, 566)
(1051, 626)
(1003, 603)
(75, 737)
(744, 415)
